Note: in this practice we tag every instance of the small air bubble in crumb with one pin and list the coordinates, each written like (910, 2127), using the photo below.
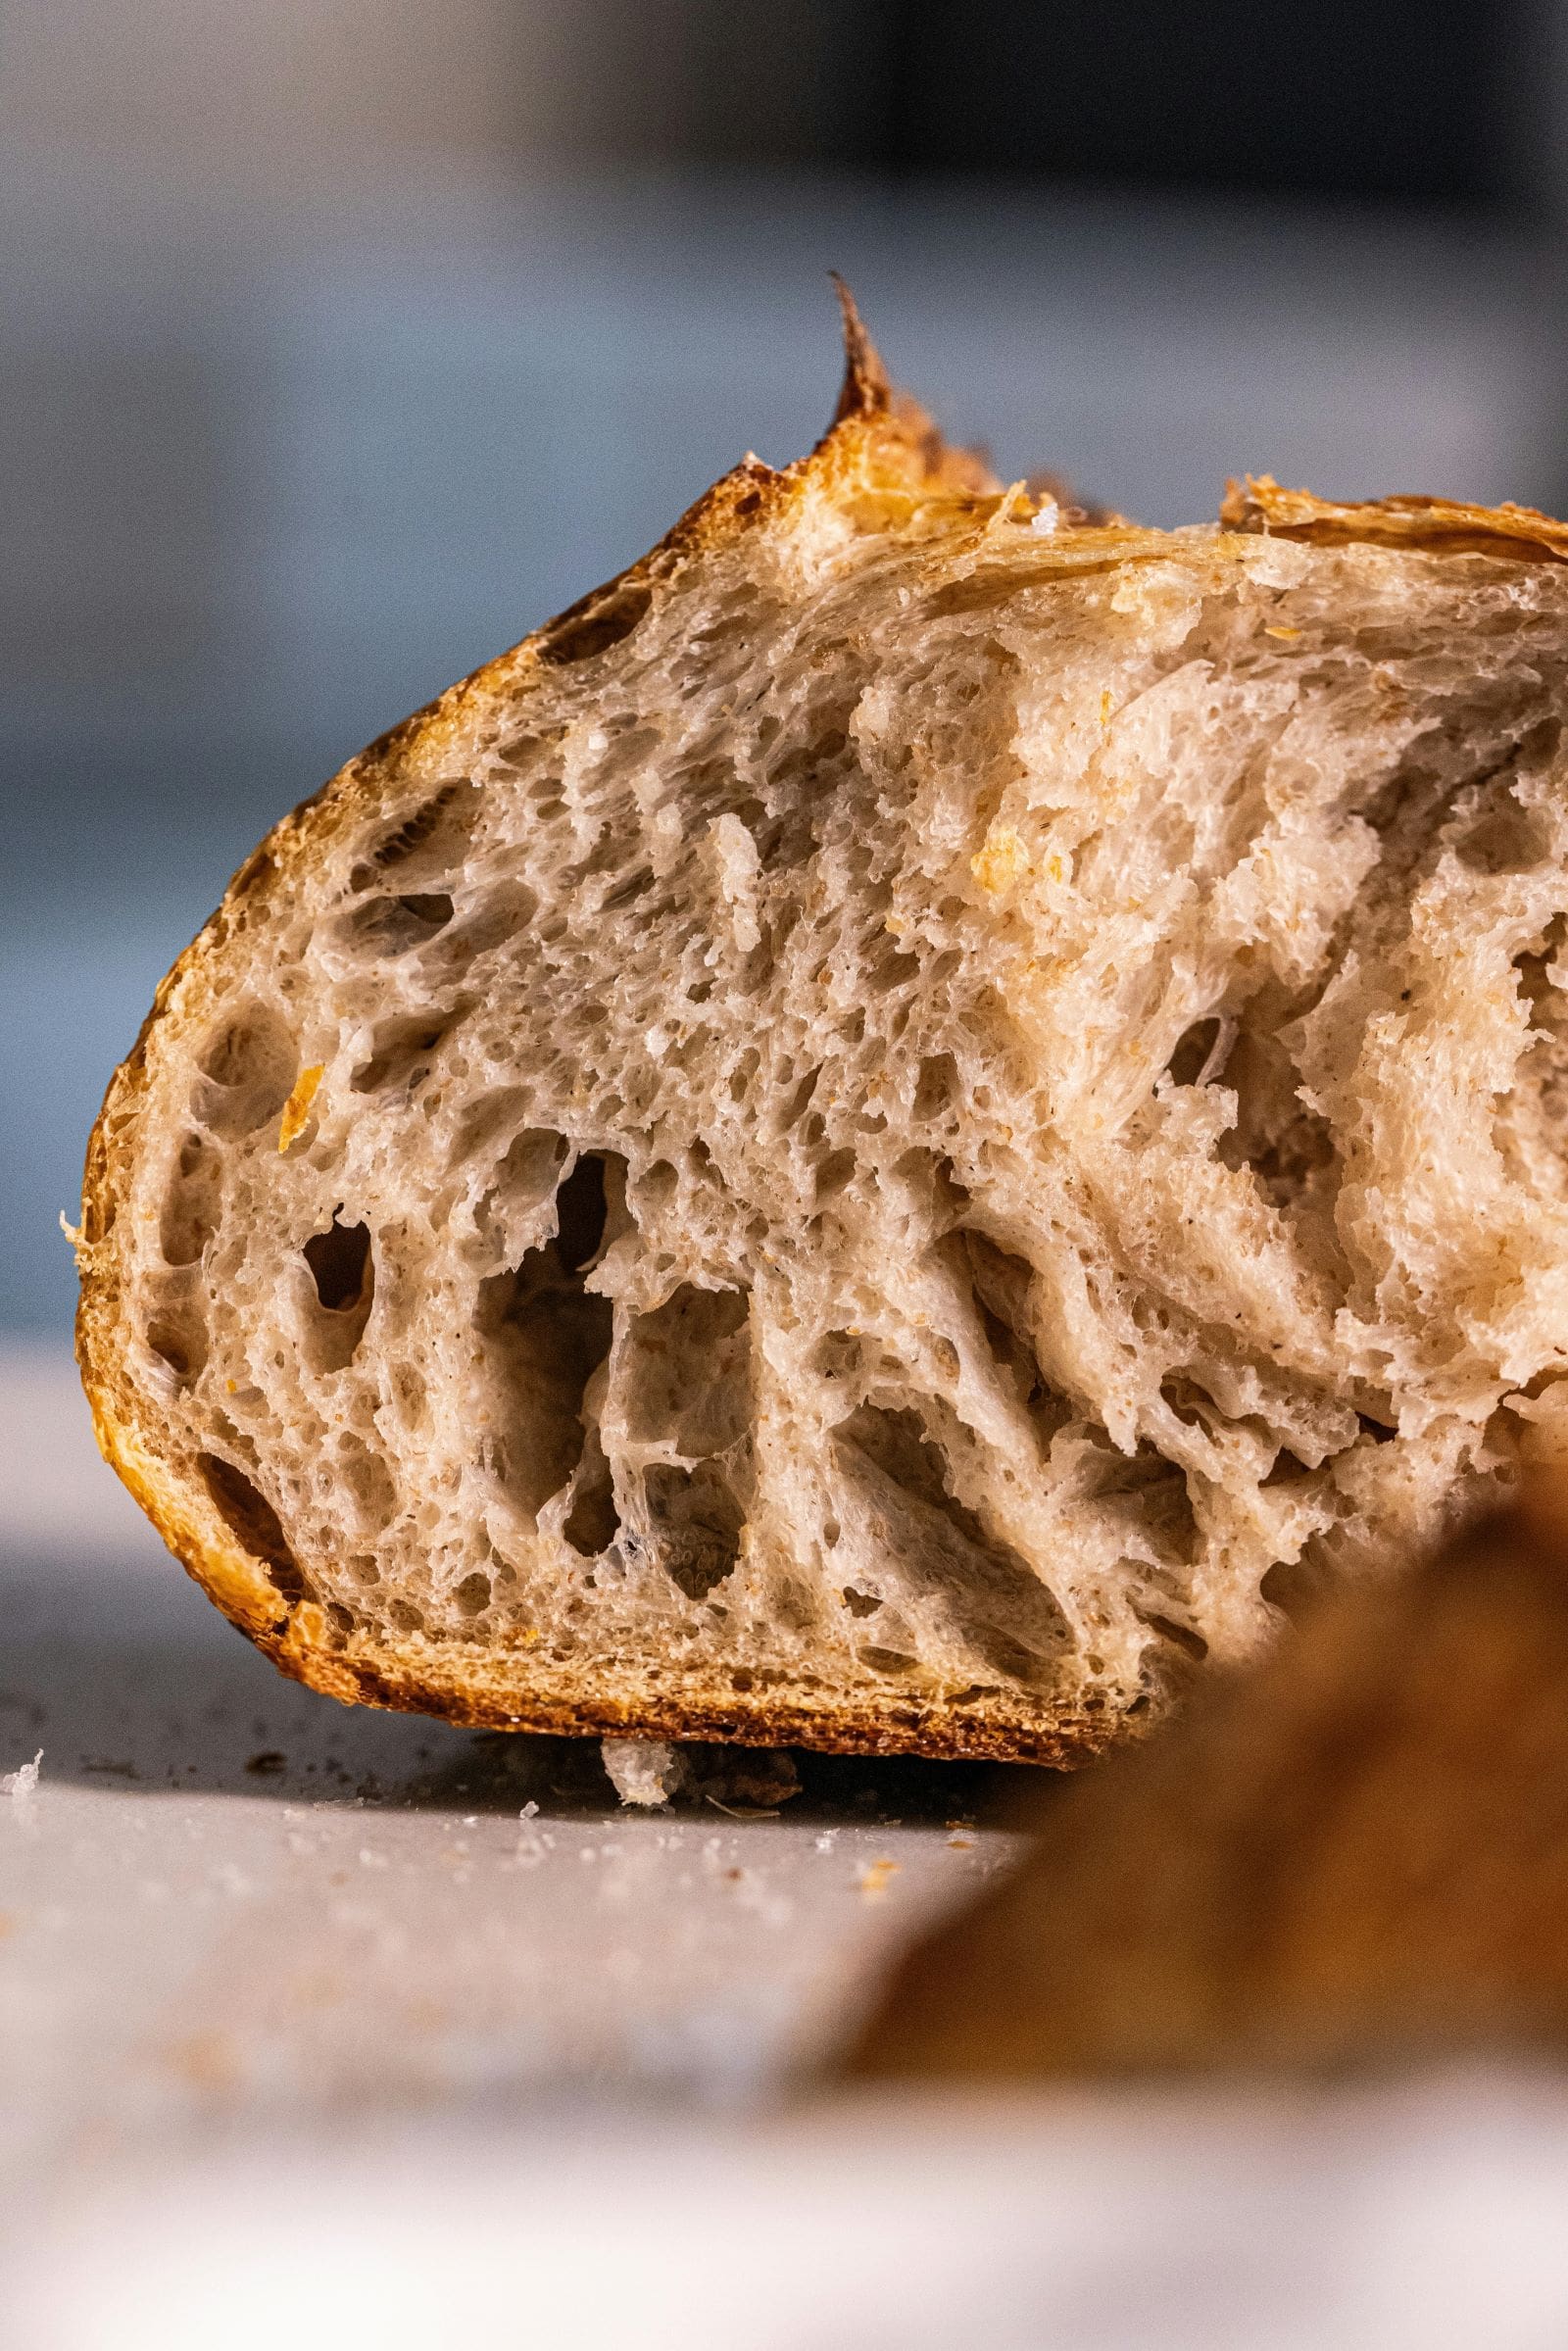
(873, 1879)
(642, 1771)
(22, 1783)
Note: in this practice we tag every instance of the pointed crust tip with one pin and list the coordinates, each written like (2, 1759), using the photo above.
(866, 391)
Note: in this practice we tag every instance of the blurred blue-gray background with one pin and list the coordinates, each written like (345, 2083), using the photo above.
(343, 340)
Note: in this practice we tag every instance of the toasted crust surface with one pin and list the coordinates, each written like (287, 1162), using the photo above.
(880, 482)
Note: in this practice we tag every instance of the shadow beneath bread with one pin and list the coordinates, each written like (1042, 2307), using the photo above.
(136, 1682)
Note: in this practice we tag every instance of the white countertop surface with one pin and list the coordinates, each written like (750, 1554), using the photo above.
(232, 1900)
(308, 2033)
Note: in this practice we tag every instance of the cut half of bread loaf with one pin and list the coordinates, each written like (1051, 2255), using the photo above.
(914, 1116)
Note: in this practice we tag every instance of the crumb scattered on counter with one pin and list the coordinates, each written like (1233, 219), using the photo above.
(22, 1783)
(873, 1879)
(642, 1771)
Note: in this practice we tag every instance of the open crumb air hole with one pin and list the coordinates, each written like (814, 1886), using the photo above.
(997, 1602)
(547, 1334)
(581, 1207)
(391, 926)
(603, 621)
(697, 1523)
(1201, 1051)
(248, 1515)
(1183, 1638)
(340, 1263)
(342, 1266)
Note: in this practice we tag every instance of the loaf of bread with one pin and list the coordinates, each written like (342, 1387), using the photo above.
(1355, 1853)
(915, 1116)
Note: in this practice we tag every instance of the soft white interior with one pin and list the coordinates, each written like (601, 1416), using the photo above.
(924, 1117)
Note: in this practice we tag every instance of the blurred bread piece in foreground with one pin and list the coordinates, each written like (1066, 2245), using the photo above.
(1357, 1852)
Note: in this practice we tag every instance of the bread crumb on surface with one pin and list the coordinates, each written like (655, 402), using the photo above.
(642, 1771)
(22, 1783)
(873, 1879)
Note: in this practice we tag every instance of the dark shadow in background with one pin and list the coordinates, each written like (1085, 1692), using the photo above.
(1410, 102)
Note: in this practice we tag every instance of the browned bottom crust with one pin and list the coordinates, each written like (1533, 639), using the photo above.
(479, 1698)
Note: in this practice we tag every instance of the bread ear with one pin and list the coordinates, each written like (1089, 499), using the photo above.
(866, 391)
(901, 440)
(1258, 503)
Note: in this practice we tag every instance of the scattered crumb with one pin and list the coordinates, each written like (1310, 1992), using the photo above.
(873, 1879)
(534, 1843)
(22, 1783)
(530, 1811)
(642, 1771)
(268, 1761)
(1047, 517)
(826, 1842)
(962, 1844)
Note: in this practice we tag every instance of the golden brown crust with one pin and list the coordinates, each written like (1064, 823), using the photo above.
(420, 1679)
(1443, 525)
